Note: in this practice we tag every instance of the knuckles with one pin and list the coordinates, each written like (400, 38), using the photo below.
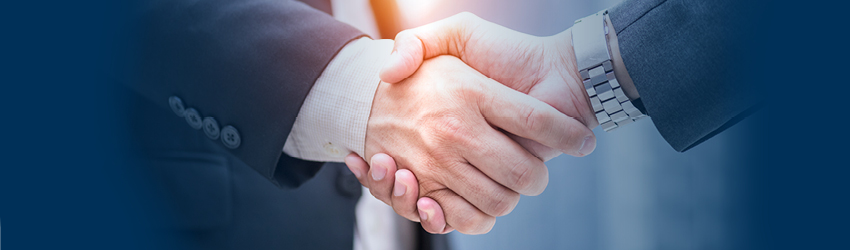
(467, 220)
(529, 178)
(450, 126)
(480, 224)
(537, 119)
(503, 204)
(522, 177)
(539, 181)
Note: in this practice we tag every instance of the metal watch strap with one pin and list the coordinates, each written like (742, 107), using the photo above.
(593, 57)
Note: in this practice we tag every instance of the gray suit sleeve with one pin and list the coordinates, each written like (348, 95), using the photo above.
(681, 54)
(248, 63)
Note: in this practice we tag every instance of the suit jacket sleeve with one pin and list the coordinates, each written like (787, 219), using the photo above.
(680, 54)
(247, 63)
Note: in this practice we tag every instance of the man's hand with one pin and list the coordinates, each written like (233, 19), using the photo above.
(441, 124)
(542, 67)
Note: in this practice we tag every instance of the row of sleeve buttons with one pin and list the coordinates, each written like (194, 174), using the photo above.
(228, 134)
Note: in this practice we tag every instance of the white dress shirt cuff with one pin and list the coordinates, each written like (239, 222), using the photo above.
(332, 120)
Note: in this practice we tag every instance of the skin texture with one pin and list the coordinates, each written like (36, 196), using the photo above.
(542, 67)
(444, 124)
(405, 192)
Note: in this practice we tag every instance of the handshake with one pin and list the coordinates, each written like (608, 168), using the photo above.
(464, 118)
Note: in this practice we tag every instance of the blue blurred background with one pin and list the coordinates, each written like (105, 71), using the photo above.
(775, 181)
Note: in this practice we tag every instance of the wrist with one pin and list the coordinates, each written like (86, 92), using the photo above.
(568, 70)
(333, 119)
(608, 99)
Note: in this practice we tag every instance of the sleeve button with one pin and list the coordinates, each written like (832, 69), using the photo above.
(176, 105)
(211, 128)
(193, 118)
(230, 137)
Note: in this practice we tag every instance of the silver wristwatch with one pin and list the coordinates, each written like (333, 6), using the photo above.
(593, 58)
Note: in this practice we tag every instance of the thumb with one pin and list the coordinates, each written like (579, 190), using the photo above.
(406, 57)
(444, 37)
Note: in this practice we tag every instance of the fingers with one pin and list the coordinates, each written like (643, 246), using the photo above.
(357, 166)
(431, 216)
(541, 151)
(426, 210)
(509, 164)
(404, 194)
(444, 37)
(379, 178)
(382, 177)
(405, 189)
(528, 117)
(480, 190)
(483, 193)
(459, 214)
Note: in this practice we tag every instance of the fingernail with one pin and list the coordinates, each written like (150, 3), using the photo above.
(378, 172)
(399, 188)
(587, 146)
(423, 214)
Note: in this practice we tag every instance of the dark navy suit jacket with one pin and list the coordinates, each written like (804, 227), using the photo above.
(251, 64)
(684, 57)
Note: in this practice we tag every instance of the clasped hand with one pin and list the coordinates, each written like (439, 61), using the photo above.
(466, 115)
